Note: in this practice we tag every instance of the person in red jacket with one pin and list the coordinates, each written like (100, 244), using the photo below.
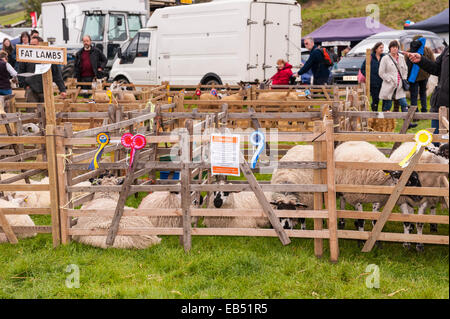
(283, 74)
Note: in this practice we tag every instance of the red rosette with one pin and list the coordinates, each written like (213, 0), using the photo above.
(139, 141)
(127, 140)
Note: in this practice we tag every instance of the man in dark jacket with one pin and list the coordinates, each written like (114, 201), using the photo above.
(33, 84)
(440, 69)
(316, 63)
(89, 62)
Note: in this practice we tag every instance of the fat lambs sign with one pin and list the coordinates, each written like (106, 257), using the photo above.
(41, 54)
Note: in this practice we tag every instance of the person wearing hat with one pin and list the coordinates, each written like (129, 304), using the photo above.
(419, 86)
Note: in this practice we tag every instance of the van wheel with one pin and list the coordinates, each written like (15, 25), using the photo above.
(211, 81)
(122, 80)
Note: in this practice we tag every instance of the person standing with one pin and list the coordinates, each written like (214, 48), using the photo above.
(11, 50)
(284, 73)
(33, 84)
(419, 87)
(25, 38)
(375, 79)
(439, 68)
(316, 63)
(6, 73)
(89, 62)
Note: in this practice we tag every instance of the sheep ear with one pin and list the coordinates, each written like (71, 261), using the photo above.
(301, 205)
(120, 181)
(274, 203)
(387, 172)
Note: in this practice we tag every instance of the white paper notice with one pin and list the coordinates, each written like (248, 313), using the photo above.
(42, 68)
(225, 154)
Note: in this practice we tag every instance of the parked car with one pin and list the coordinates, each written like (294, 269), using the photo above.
(347, 68)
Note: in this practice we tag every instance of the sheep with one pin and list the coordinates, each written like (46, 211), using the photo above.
(36, 199)
(427, 179)
(30, 129)
(294, 200)
(16, 220)
(167, 200)
(106, 200)
(163, 200)
(240, 200)
(366, 152)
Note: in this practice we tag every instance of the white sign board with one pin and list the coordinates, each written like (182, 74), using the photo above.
(41, 54)
(225, 152)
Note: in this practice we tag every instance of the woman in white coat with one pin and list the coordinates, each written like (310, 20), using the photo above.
(391, 87)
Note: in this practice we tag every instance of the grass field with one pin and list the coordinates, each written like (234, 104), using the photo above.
(392, 13)
(224, 267)
(12, 18)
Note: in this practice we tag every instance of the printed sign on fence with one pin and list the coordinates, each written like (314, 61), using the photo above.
(41, 54)
(225, 154)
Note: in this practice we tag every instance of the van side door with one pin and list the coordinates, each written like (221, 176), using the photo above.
(137, 59)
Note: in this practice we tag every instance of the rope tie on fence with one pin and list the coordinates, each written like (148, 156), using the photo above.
(66, 158)
(73, 199)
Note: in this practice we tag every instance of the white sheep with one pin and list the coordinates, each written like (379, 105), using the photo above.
(294, 200)
(30, 129)
(241, 200)
(166, 200)
(16, 220)
(163, 200)
(427, 179)
(35, 199)
(108, 200)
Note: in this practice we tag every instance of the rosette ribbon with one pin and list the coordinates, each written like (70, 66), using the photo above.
(257, 139)
(102, 140)
(133, 142)
(423, 138)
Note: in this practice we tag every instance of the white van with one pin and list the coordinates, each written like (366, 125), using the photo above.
(223, 41)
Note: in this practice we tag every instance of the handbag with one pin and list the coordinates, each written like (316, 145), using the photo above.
(361, 77)
(405, 83)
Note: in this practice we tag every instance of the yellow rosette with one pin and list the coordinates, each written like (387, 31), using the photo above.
(109, 93)
(423, 138)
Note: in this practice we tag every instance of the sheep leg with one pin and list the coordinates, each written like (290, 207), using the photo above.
(341, 224)
(303, 223)
(359, 223)
(419, 246)
(407, 227)
(376, 209)
(433, 227)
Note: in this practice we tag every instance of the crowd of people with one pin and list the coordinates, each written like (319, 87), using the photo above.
(90, 63)
(390, 76)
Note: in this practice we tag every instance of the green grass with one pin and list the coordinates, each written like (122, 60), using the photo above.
(224, 267)
(393, 13)
(12, 18)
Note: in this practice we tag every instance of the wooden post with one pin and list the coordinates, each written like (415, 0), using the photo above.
(62, 183)
(129, 178)
(331, 198)
(50, 113)
(256, 188)
(318, 197)
(406, 122)
(368, 58)
(443, 120)
(53, 181)
(387, 210)
(185, 190)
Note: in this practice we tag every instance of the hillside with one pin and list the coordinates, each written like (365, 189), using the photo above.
(393, 13)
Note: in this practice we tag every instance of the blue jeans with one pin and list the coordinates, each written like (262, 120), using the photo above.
(419, 88)
(5, 92)
(387, 105)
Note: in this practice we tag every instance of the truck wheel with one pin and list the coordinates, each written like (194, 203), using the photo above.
(68, 70)
(122, 80)
(210, 79)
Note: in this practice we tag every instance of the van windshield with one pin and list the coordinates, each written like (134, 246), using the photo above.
(360, 48)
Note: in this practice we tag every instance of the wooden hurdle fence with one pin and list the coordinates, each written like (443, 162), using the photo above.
(66, 149)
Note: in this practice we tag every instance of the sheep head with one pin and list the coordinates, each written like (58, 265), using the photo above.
(413, 181)
(287, 201)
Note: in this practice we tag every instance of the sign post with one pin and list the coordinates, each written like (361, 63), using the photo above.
(44, 57)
